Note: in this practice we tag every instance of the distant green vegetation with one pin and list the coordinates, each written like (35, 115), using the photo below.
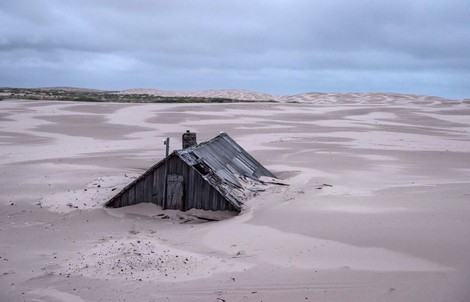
(57, 94)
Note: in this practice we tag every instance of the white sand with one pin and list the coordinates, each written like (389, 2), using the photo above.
(377, 208)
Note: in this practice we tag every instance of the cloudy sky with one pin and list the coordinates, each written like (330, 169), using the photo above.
(274, 46)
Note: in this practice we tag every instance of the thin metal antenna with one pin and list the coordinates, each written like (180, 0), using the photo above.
(166, 142)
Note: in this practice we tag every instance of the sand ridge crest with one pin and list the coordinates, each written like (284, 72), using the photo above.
(238, 94)
(319, 98)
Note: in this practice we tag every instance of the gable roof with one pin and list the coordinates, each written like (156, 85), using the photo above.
(223, 163)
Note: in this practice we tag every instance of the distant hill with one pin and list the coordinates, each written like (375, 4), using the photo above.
(236, 94)
(75, 89)
(308, 97)
(143, 95)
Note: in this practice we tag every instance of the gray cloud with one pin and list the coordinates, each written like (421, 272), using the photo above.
(275, 46)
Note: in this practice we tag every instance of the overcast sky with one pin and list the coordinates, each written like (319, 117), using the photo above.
(274, 46)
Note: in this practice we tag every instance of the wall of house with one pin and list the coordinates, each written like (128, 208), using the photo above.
(197, 193)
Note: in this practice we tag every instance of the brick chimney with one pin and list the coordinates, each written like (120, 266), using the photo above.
(189, 139)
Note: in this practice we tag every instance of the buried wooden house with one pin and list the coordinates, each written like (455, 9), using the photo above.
(216, 175)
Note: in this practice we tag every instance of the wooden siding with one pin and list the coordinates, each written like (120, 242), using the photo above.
(152, 186)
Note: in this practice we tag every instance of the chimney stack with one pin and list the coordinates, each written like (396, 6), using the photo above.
(189, 139)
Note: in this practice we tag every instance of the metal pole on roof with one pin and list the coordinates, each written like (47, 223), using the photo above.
(166, 142)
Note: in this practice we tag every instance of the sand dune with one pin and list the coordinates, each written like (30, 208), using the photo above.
(362, 98)
(236, 94)
(377, 208)
(310, 97)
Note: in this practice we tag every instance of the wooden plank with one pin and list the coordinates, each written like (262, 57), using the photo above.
(148, 188)
(124, 199)
(131, 198)
(139, 192)
(156, 187)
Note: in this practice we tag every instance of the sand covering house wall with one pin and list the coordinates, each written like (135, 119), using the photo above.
(208, 176)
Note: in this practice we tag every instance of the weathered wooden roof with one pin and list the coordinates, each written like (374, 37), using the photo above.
(226, 158)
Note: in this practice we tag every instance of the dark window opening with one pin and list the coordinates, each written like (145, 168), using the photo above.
(201, 168)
